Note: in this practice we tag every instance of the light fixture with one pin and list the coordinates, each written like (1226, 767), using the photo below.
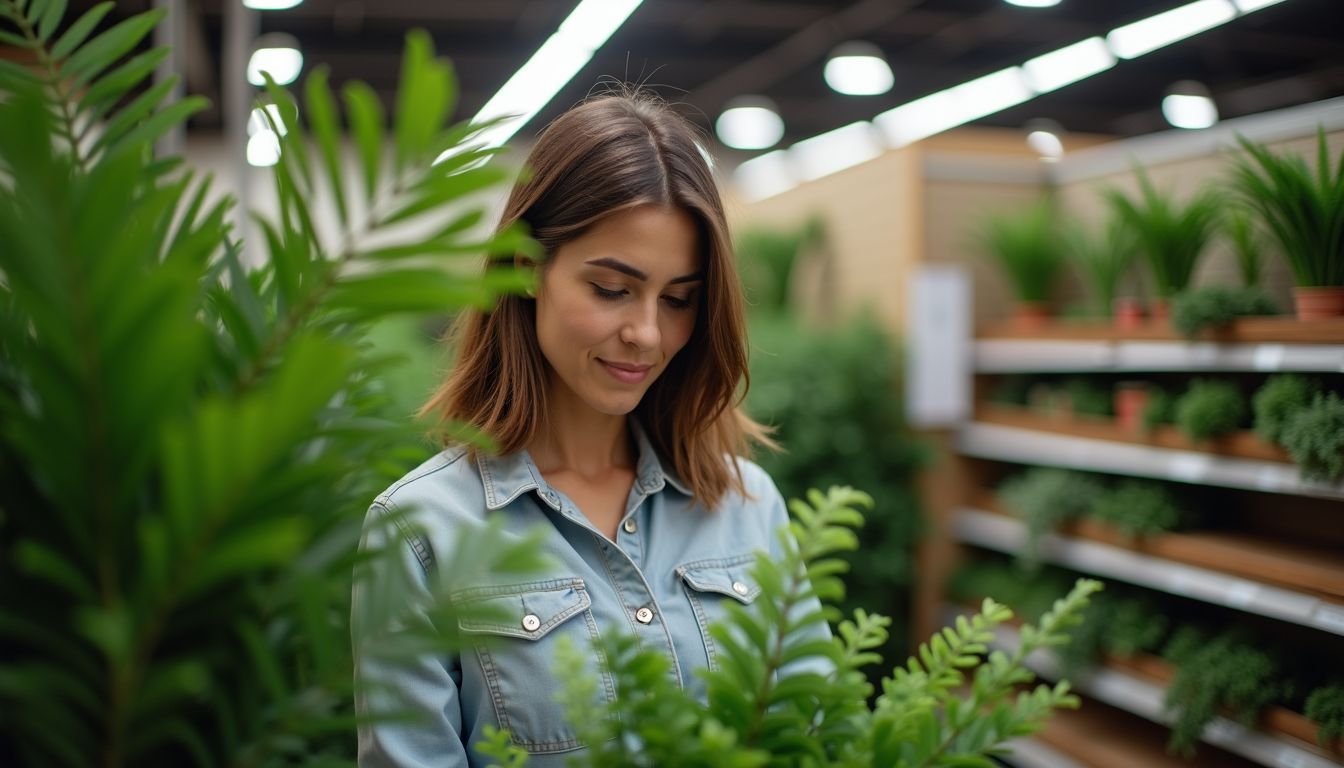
(750, 122)
(1165, 28)
(257, 121)
(1069, 64)
(836, 150)
(263, 149)
(1033, 3)
(1246, 6)
(954, 106)
(1043, 136)
(271, 5)
(858, 69)
(1188, 104)
(765, 176)
(278, 54)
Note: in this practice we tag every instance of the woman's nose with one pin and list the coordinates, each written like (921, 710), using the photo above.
(641, 326)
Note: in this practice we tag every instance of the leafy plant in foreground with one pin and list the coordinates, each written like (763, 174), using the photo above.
(783, 697)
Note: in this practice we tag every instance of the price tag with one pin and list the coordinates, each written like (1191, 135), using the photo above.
(1267, 357)
(1330, 617)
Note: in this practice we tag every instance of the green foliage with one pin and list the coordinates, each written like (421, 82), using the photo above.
(1248, 246)
(1302, 209)
(1222, 673)
(1209, 408)
(1161, 409)
(781, 697)
(1314, 437)
(1171, 236)
(765, 260)
(1104, 260)
(1045, 498)
(1032, 592)
(187, 443)
(1119, 625)
(1325, 706)
(1282, 396)
(834, 398)
(1215, 306)
(1089, 398)
(1027, 247)
(1137, 508)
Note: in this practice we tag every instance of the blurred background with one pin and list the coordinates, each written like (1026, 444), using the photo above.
(1010, 272)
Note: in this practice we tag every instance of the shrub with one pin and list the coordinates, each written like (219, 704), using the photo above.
(1027, 247)
(1045, 498)
(1281, 397)
(1325, 706)
(1314, 437)
(1114, 624)
(767, 257)
(1089, 398)
(1161, 409)
(1137, 508)
(1216, 306)
(1223, 673)
(1210, 408)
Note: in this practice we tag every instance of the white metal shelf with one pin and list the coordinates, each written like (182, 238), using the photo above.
(1005, 534)
(1044, 356)
(1026, 446)
(1033, 753)
(1146, 700)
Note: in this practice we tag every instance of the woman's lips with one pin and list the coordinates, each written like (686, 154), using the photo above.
(627, 373)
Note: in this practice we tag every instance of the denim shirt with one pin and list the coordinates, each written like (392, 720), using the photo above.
(670, 571)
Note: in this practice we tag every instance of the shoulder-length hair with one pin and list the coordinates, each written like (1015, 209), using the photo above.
(609, 154)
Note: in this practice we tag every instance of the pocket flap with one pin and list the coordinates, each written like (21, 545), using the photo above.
(725, 577)
(527, 611)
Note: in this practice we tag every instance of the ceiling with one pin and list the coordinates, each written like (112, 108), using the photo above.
(702, 53)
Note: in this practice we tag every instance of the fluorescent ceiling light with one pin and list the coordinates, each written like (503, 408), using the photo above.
(750, 122)
(553, 65)
(263, 149)
(1068, 65)
(858, 69)
(1189, 104)
(955, 106)
(765, 176)
(284, 65)
(1246, 6)
(271, 5)
(836, 150)
(1033, 3)
(1166, 28)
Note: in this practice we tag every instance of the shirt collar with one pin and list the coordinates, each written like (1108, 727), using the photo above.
(509, 476)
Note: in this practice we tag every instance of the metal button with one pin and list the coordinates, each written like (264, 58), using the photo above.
(531, 622)
(629, 525)
(739, 588)
(643, 615)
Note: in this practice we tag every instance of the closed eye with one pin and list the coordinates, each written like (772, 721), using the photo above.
(607, 293)
(677, 303)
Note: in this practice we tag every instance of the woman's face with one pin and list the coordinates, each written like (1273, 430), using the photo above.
(616, 304)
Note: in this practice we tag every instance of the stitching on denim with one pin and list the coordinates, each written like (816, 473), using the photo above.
(718, 562)
(419, 546)
(496, 590)
(711, 652)
(584, 603)
(488, 670)
(595, 637)
(449, 459)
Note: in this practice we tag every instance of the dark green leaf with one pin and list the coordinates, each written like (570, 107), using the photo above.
(365, 112)
(104, 50)
(51, 17)
(326, 130)
(80, 30)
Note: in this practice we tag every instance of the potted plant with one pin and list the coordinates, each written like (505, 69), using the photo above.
(1216, 306)
(1314, 437)
(1104, 260)
(1248, 245)
(1131, 402)
(1209, 409)
(1225, 673)
(1171, 236)
(1303, 210)
(1281, 398)
(1027, 248)
(1325, 706)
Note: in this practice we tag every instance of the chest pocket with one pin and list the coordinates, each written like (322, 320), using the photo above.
(514, 630)
(711, 585)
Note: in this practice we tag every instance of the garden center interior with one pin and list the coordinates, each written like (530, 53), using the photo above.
(1060, 283)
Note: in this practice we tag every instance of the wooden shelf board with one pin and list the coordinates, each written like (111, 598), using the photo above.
(1240, 331)
(1103, 736)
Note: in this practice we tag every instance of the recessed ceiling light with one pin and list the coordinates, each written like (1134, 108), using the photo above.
(750, 122)
(1043, 136)
(858, 69)
(263, 149)
(277, 54)
(1188, 104)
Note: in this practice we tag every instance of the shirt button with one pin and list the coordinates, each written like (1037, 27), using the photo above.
(739, 588)
(531, 622)
(643, 615)
(629, 525)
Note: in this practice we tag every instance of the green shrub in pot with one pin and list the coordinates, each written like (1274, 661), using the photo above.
(1280, 398)
(1027, 248)
(1137, 508)
(1225, 673)
(1325, 706)
(1104, 259)
(1216, 306)
(1210, 408)
(1248, 245)
(1172, 236)
(1314, 437)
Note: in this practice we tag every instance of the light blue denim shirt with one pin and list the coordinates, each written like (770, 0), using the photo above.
(670, 571)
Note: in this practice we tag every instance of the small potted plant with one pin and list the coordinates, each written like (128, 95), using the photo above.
(1027, 247)
(1280, 399)
(1304, 213)
(1131, 402)
(1314, 438)
(1104, 260)
(1216, 306)
(1170, 235)
(1210, 408)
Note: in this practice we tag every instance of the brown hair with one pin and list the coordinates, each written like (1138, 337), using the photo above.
(609, 154)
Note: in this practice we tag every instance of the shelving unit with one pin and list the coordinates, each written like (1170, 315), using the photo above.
(1280, 579)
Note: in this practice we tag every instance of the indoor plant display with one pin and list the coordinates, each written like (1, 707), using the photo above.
(1227, 672)
(1282, 397)
(1104, 259)
(1215, 306)
(1209, 408)
(1314, 437)
(1027, 248)
(1171, 236)
(1303, 210)
(1248, 246)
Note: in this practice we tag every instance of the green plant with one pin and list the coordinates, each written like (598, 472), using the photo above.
(1161, 409)
(1171, 236)
(766, 258)
(1216, 306)
(188, 444)
(1314, 437)
(1089, 398)
(1325, 706)
(1223, 673)
(1137, 508)
(1045, 498)
(1030, 592)
(1114, 624)
(1210, 408)
(1282, 396)
(1247, 245)
(782, 698)
(1303, 211)
(1027, 247)
(1104, 260)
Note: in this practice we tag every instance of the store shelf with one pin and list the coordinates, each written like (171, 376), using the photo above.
(1145, 698)
(1007, 355)
(1029, 446)
(1034, 753)
(1246, 330)
(1001, 533)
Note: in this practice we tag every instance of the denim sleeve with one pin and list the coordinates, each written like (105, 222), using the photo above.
(391, 592)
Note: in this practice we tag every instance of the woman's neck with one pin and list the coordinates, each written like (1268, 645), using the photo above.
(582, 441)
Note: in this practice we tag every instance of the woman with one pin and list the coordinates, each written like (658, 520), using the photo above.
(611, 394)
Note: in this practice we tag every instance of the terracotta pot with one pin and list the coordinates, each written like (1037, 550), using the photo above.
(1031, 314)
(1161, 311)
(1131, 399)
(1127, 313)
(1315, 303)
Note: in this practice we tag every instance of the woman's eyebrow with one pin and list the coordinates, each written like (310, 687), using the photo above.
(638, 274)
